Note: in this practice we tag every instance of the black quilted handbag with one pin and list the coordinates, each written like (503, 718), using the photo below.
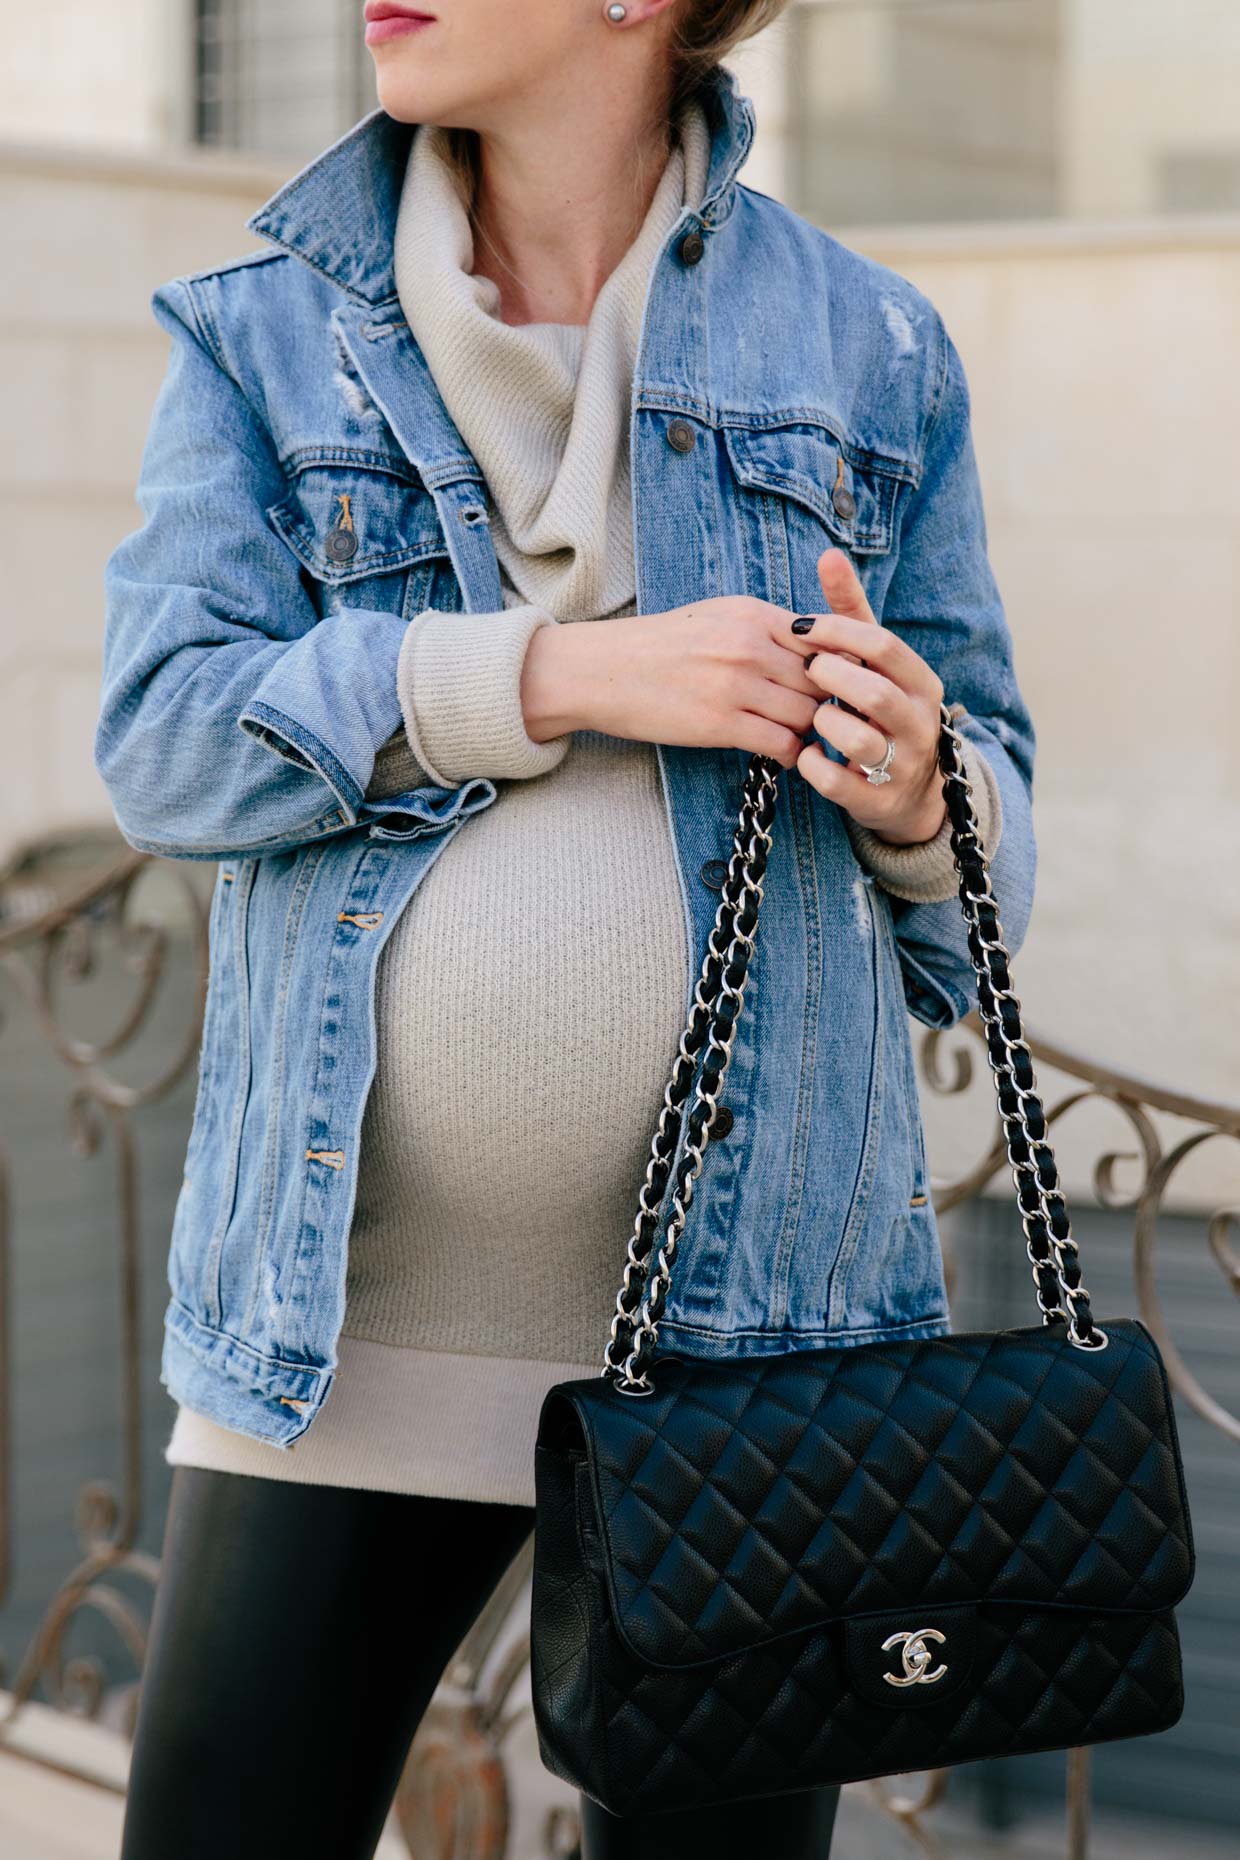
(768, 1574)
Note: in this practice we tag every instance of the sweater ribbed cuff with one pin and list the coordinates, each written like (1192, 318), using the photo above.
(925, 872)
(396, 769)
(458, 679)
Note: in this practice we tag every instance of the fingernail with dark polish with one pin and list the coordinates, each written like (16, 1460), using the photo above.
(803, 623)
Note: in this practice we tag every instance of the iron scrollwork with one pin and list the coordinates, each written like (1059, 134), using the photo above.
(95, 927)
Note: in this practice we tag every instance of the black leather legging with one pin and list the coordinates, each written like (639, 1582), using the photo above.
(297, 1636)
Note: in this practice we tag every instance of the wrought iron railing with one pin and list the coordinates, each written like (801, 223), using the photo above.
(454, 1801)
(45, 948)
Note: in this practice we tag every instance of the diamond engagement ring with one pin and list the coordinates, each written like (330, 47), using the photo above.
(876, 772)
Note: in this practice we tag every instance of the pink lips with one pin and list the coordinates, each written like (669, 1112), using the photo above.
(385, 21)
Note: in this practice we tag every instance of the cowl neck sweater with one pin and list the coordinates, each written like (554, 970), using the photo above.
(543, 407)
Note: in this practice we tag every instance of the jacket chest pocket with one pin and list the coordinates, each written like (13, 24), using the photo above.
(366, 532)
(807, 491)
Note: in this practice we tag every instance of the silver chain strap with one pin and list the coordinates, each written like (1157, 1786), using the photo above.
(708, 1037)
(1053, 1253)
(717, 1001)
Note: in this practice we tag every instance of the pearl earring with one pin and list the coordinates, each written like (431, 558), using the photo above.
(615, 12)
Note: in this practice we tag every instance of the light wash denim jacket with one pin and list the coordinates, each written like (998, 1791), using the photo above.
(250, 677)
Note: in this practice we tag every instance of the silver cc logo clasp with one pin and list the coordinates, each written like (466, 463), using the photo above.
(916, 1657)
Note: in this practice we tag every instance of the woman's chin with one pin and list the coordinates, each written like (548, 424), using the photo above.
(404, 92)
(401, 99)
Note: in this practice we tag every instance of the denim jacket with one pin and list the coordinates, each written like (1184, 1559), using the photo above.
(250, 677)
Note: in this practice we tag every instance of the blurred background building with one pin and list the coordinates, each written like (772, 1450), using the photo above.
(1063, 178)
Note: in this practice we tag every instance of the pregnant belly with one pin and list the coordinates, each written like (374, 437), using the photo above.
(529, 1003)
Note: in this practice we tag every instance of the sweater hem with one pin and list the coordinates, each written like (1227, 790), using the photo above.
(438, 1423)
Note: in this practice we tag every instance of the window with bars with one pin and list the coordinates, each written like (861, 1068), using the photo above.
(278, 77)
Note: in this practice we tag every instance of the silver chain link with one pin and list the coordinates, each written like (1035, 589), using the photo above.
(741, 895)
(1037, 1166)
(711, 1030)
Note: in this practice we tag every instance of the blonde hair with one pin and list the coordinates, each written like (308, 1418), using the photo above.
(704, 34)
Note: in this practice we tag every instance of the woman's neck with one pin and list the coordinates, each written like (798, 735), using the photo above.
(558, 204)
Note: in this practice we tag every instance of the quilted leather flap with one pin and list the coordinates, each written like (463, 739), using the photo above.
(759, 1497)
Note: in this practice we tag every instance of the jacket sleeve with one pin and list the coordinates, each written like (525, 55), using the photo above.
(944, 601)
(234, 719)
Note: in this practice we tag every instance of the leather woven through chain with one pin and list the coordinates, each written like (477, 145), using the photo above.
(708, 1037)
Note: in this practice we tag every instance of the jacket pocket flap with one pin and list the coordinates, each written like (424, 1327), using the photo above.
(851, 492)
(344, 521)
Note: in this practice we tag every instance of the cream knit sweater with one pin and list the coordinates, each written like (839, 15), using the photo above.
(530, 998)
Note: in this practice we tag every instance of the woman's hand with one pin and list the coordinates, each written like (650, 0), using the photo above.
(892, 692)
(724, 673)
(731, 673)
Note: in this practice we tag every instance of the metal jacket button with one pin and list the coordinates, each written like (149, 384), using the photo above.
(692, 247)
(722, 1126)
(341, 544)
(714, 872)
(841, 497)
(681, 435)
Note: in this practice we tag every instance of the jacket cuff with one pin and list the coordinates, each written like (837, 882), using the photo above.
(925, 872)
(458, 678)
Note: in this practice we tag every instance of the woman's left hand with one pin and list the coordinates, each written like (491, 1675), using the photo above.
(897, 694)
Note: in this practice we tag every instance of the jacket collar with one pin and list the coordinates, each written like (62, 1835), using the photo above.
(339, 212)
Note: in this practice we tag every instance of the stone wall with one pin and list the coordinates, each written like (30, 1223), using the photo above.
(88, 76)
(87, 239)
(1102, 363)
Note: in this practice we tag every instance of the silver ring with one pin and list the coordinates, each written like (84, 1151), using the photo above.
(877, 772)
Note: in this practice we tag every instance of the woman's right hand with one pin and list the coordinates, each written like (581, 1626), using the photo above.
(723, 673)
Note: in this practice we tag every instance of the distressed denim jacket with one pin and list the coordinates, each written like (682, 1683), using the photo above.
(250, 678)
